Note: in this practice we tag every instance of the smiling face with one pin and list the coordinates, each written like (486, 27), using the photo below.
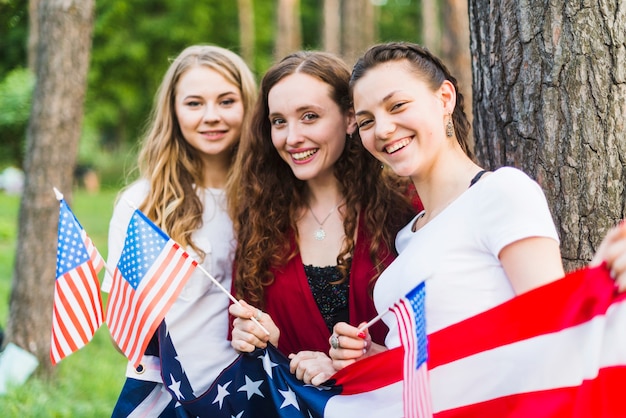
(210, 112)
(308, 127)
(400, 119)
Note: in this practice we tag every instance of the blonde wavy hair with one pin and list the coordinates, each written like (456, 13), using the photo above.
(167, 161)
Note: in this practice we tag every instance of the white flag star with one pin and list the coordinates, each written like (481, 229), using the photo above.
(175, 387)
(239, 415)
(222, 393)
(290, 399)
(268, 364)
(251, 388)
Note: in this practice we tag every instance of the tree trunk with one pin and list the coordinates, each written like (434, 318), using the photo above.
(359, 28)
(550, 98)
(33, 34)
(455, 48)
(65, 28)
(246, 30)
(332, 26)
(289, 36)
(431, 31)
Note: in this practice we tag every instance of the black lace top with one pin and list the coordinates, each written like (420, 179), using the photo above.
(331, 299)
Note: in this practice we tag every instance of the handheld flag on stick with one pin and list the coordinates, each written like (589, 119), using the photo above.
(149, 276)
(411, 318)
(77, 310)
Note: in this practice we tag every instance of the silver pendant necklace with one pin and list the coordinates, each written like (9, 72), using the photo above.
(320, 233)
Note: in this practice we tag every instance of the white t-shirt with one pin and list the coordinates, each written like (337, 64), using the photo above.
(457, 251)
(198, 319)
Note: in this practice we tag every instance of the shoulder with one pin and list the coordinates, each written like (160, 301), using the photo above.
(504, 174)
(511, 182)
(134, 193)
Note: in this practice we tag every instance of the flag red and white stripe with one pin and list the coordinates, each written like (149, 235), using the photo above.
(150, 275)
(556, 351)
(77, 309)
(410, 315)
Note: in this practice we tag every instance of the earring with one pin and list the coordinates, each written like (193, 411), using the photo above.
(350, 135)
(449, 128)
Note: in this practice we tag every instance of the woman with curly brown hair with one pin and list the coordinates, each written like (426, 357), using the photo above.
(315, 215)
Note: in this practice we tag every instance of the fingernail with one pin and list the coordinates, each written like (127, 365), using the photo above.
(361, 334)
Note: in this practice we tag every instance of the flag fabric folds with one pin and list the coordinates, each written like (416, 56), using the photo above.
(260, 385)
(77, 309)
(149, 276)
(556, 351)
(411, 318)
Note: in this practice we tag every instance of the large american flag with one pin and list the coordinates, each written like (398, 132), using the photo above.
(411, 318)
(558, 351)
(149, 276)
(77, 309)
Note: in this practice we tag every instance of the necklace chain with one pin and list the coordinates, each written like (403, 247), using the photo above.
(320, 233)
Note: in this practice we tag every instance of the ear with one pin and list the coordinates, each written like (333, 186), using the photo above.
(448, 96)
(350, 122)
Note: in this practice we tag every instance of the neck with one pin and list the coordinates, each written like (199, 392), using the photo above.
(216, 172)
(324, 194)
(443, 183)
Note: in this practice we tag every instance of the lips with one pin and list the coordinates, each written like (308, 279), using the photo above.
(390, 149)
(214, 134)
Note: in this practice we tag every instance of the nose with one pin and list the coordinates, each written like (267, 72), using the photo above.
(294, 135)
(211, 114)
(384, 127)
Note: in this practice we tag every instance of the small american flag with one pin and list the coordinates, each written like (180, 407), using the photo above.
(411, 317)
(149, 276)
(77, 310)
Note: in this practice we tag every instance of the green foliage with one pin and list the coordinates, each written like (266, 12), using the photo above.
(400, 20)
(15, 97)
(16, 90)
(87, 382)
(13, 34)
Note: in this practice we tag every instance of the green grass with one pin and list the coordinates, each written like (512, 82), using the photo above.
(87, 382)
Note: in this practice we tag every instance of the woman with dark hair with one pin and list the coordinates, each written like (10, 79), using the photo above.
(315, 215)
(482, 238)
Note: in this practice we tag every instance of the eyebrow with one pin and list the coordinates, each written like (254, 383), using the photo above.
(219, 96)
(302, 109)
(384, 99)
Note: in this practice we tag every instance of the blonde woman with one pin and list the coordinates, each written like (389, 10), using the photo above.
(184, 163)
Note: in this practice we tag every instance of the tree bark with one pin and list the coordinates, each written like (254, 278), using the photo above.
(455, 48)
(332, 26)
(550, 98)
(246, 30)
(65, 29)
(431, 28)
(33, 34)
(359, 28)
(289, 36)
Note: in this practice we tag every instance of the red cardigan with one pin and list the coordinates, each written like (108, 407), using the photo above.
(291, 305)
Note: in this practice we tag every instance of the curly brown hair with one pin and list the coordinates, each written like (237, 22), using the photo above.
(265, 198)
